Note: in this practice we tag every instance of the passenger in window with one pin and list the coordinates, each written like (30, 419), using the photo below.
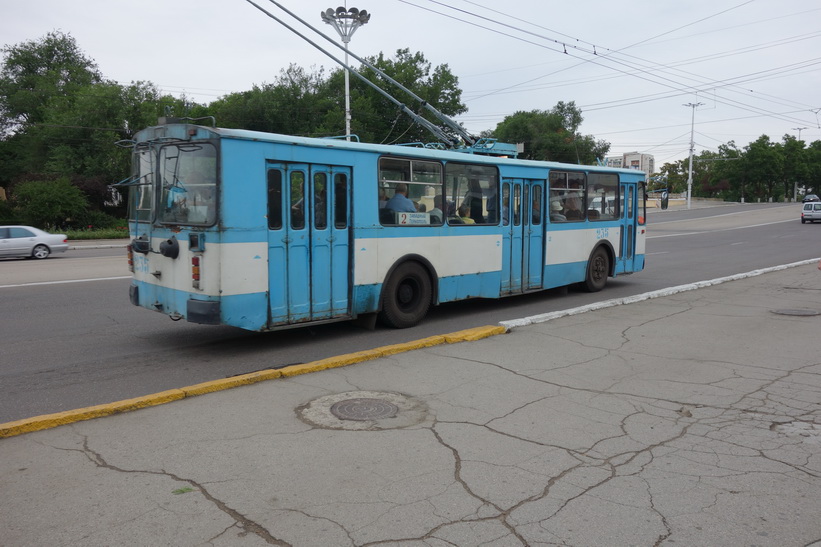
(464, 214)
(556, 211)
(383, 198)
(572, 210)
(400, 203)
(473, 199)
(436, 214)
(536, 211)
(492, 208)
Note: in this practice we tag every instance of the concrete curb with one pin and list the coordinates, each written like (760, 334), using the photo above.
(49, 421)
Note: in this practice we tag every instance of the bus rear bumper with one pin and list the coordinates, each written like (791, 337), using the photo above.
(203, 312)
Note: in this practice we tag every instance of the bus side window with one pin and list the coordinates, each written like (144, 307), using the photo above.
(340, 200)
(274, 199)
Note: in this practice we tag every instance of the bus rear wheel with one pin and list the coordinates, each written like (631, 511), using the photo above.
(406, 296)
(597, 271)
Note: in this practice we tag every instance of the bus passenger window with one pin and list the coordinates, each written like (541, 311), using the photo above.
(474, 187)
(340, 200)
(407, 191)
(274, 199)
(602, 196)
(567, 192)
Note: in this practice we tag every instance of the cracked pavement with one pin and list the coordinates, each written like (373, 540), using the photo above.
(692, 419)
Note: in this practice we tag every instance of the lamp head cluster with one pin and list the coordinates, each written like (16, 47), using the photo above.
(345, 20)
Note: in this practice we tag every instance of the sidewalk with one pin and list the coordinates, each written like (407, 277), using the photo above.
(97, 243)
(690, 418)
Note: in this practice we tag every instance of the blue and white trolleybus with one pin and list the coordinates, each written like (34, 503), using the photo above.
(264, 231)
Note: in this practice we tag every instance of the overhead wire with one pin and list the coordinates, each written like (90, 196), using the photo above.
(642, 71)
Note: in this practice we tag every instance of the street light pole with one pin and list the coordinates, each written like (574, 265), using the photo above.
(692, 148)
(345, 21)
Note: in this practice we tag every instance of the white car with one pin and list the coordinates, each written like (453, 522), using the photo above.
(811, 211)
(30, 242)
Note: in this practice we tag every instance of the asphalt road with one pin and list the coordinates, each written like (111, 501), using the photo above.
(70, 338)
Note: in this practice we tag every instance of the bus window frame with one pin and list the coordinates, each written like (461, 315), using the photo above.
(579, 194)
(456, 192)
(214, 186)
(143, 181)
(412, 175)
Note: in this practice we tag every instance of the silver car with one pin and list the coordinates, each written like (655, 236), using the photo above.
(30, 242)
(810, 211)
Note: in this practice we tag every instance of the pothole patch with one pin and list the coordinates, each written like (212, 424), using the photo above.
(809, 432)
(363, 411)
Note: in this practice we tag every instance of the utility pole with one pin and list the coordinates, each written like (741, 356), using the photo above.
(692, 148)
(346, 21)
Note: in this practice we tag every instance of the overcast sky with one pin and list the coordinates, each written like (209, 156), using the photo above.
(631, 66)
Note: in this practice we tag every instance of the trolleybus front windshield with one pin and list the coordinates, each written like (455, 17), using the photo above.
(188, 184)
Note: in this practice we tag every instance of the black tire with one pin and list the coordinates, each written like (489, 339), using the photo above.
(406, 296)
(40, 251)
(598, 269)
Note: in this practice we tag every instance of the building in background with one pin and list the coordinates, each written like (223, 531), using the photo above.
(633, 160)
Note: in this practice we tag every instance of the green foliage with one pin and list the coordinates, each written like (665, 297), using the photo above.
(294, 104)
(306, 103)
(120, 232)
(761, 171)
(37, 75)
(552, 135)
(50, 204)
(377, 119)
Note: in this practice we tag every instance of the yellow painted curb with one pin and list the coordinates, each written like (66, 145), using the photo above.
(48, 421)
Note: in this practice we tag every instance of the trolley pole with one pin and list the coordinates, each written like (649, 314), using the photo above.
(692, 148)
(345, 21)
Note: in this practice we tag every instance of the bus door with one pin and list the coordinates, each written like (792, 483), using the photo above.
(628, 219)
(308, 242)
(523, 235)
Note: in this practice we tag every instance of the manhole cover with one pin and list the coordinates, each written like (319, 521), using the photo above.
(798, 312)
(364, 409)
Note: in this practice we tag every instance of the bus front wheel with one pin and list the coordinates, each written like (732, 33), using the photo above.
(406, 296)
(597, 270)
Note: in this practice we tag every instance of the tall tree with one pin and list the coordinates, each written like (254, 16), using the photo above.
(294, 104)
(36, 74)
(377, 119)
(763, 164)
(795, 168)
(552, 135)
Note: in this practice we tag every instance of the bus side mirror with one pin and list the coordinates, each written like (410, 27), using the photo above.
(665, 200)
